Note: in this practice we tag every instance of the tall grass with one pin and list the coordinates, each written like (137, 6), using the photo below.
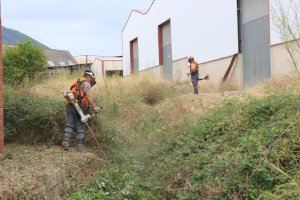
(246, 148)
(41, 102)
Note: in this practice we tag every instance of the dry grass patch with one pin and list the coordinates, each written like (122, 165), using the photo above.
(26, 172)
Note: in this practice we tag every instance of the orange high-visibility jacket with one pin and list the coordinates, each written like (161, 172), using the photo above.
(194, 67)
(78, 91)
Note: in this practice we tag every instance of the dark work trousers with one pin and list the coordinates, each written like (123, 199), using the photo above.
(195, 80)
(73, 122)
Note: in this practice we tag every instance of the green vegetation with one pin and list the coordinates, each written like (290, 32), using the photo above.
(114, 184)
(235, 151)
(23, 61)
(30, 116)
(30, 119)
(240, 150)
(247, 147)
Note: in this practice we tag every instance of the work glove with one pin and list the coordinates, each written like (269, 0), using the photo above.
(97, 109)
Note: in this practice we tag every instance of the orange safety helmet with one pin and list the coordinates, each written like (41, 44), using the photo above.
(191, 58)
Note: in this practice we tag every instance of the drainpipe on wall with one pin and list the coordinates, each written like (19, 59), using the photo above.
(1, 91)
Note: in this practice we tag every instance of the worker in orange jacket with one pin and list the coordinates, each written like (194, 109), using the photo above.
(194, 72)
(81, 91)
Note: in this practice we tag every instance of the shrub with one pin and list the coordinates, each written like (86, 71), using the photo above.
(23, 61)
(30, 119)
(154, 93)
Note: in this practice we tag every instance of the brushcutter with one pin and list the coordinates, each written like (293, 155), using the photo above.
(206, 78)
(70, 96)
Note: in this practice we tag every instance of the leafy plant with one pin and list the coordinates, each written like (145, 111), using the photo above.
(114, 184)
(22, 61)
(31, 119)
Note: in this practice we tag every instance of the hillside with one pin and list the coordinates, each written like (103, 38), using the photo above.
(162, 142)
(216, 146)
(11, 37)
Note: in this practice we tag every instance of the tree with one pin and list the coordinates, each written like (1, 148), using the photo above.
(286, 17)
(22, 61)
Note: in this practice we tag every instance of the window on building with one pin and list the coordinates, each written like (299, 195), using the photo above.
(110, 73)
(134, 56)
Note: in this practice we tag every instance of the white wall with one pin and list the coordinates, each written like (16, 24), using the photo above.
(288, 5)
(101, 65)
(206, 29)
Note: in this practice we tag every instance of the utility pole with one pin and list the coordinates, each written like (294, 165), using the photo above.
(1, 91)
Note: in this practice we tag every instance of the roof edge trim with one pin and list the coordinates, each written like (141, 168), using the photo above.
(139, 12)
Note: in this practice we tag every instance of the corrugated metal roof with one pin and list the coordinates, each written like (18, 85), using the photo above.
(59, 58)
(7, 46)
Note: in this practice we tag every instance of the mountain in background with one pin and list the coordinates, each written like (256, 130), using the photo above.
(12, 37)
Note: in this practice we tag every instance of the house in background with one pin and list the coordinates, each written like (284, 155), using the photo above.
(232, 40)
(59, 59)
(85, 61)
(102, 66)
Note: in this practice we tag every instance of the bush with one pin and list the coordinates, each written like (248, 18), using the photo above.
(154, 93)
(31, 119)
(23, 61)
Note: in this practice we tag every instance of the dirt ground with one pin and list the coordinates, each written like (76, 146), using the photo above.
(38, 172)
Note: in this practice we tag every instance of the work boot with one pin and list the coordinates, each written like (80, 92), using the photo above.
(80, 148)
(66, 148)
(65, 145)
(80, 137)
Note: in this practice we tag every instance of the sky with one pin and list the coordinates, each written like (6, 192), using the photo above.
(91, 27)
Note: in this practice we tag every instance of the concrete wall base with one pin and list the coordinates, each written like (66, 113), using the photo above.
(216, 69)
(281, 64)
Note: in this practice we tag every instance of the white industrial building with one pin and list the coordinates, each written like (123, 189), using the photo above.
(231, 39)
(102, 66)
